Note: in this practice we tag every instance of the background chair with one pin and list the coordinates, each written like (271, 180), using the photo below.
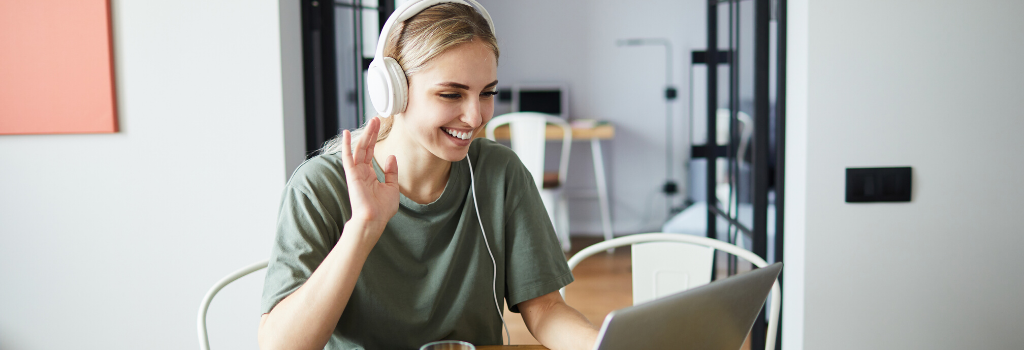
(528, 134)
(204, 340)
(665, 263)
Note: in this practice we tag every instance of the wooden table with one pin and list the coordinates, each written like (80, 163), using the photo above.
(594, 134)
(600, 132)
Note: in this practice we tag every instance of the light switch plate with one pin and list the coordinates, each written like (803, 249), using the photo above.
(864, 185)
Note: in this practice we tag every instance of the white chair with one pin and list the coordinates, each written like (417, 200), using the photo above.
(665, 263)
(528, 135)
(204, 340)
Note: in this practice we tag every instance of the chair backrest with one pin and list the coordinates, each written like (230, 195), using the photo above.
(528, 135)
(661, 275)
(204, 340)
(665, 268)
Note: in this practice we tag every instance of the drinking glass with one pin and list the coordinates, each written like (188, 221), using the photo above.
(448, 345)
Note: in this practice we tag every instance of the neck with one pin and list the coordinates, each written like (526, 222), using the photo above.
(422, 176)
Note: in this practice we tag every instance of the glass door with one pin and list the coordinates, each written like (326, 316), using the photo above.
(738, 130)
(339, 39)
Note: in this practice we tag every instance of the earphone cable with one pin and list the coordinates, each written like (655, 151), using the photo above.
(494, 281)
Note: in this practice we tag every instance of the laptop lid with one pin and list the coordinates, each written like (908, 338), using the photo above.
(717, 315)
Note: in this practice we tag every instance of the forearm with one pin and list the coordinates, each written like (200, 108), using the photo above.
(306, 318)
(559, 326)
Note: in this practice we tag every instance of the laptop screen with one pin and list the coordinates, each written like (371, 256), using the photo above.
(543, 101)
(717, 315)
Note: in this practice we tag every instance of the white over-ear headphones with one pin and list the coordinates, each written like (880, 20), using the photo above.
(385, 81)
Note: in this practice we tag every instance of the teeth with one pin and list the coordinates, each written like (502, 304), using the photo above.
(461, 135)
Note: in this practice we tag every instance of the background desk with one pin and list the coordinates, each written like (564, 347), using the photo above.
(594, 135)
(600, 132)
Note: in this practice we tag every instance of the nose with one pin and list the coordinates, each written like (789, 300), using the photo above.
(473, 113)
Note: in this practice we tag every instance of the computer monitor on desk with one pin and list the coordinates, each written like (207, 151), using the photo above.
(550, 98)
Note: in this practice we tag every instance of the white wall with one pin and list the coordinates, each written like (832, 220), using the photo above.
(795, 238)
(936, 86)
(574, 41)
(109, 241)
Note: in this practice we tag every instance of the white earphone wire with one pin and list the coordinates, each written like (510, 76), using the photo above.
(494, 281)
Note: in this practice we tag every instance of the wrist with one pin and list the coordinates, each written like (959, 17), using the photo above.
(365, 225)
(363, 232)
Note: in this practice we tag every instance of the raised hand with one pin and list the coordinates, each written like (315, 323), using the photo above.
(373, 202)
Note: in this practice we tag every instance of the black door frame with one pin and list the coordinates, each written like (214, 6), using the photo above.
(712, 57)
(320, 70)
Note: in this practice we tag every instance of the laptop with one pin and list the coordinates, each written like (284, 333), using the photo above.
(717, 315)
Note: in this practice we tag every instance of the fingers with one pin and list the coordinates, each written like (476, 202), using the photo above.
(364, 150)
(359, 152)
(371, 138)
(391, 170)
(346, 150)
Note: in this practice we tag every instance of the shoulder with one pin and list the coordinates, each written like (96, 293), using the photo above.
(322, 173)
(497, 164)
(489, 154)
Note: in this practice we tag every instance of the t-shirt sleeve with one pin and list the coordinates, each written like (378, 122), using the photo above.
(535, 264)
(306, 233)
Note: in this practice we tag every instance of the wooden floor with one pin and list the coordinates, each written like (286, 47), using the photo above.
(603, 284)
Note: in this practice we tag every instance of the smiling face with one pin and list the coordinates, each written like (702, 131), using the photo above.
(450, 100)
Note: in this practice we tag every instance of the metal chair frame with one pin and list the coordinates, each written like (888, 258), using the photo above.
(776, 297)
(204, 340)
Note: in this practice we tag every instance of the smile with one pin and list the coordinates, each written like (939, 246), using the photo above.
(457, 134)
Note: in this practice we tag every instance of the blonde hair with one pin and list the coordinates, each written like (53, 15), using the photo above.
(423, 37)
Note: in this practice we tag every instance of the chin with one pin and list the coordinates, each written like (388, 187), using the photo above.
(452, 155)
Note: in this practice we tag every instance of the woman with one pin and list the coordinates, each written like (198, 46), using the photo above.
(370, 257)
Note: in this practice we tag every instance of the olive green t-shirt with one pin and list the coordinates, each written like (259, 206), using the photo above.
(429, 277)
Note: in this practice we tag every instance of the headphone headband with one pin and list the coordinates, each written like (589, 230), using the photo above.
(411, 8)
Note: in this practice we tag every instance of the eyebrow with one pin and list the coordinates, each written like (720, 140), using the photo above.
(455, 85)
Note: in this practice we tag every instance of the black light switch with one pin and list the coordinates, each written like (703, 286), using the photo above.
(878, 185)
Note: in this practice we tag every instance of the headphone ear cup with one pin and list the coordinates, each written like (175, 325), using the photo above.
(388, 87)
(377, 85)
(399, 85)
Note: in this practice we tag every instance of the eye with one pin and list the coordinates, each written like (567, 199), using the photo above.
(488, 94)
(450, 96)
